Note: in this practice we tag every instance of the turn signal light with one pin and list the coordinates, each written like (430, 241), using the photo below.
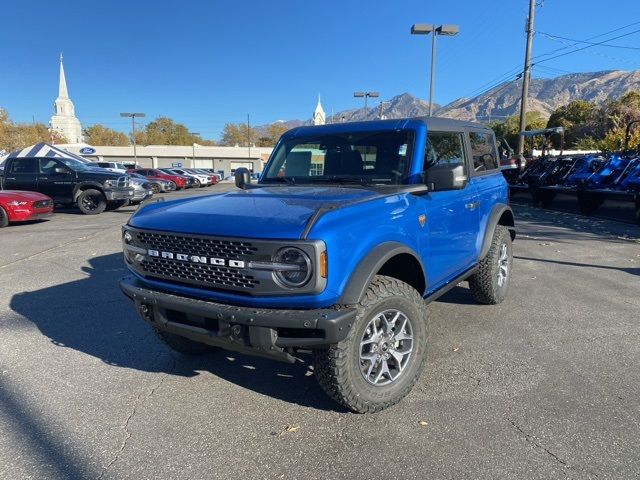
(323, 264)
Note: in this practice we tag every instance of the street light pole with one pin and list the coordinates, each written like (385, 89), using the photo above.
(133, 131)
(426, 29)
(366, 96)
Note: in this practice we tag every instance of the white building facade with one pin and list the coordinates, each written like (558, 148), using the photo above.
(64, 120)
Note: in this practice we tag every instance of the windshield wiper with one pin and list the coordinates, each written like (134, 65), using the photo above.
(287, 180)
(339, 179)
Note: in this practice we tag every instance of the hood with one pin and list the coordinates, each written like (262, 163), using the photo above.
(268, 212)
(21, 195)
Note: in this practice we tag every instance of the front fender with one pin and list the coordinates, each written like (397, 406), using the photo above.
(369, 266)
(83, 185)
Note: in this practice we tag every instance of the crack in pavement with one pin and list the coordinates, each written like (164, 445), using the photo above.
(139, 401)
(531, 439)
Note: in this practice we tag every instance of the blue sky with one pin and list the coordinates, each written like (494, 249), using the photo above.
(205, 63)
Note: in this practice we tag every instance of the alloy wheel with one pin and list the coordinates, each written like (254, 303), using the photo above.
(503, 265)
(386, 347)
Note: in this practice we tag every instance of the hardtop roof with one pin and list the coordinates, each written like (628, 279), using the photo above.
(432, 123)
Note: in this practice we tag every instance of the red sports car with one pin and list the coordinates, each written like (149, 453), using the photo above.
(22, 206)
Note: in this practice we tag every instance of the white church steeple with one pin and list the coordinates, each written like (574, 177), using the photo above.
(318, 114)
(64, 119)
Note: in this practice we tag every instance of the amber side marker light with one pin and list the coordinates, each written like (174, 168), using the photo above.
(323, 264)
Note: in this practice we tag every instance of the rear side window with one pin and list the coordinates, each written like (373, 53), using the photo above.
(483, 148)
(443, 147)
(24, 165)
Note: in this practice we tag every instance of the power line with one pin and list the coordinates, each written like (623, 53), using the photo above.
(587, 39)
(588, 43)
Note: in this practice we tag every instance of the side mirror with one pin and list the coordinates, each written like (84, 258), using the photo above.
(60, 171)
(243, 177)
(446, 176)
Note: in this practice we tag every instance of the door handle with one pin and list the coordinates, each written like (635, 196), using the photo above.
(10, 178)
(472, 205)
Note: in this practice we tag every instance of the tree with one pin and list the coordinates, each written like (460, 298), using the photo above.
(238, 134)
(20, 135)
(578, 119)
(510, 128)
(100, 135)
(165, 131)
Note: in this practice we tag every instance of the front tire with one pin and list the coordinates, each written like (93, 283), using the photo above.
(381, 359)
(490, 284)
(183, 345)
(91, 202)
(4, 218)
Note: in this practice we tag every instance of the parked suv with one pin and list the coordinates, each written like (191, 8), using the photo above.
(112, 166)
(351, 231)
(69, 181)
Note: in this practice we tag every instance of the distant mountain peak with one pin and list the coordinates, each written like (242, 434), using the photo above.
(545, 94)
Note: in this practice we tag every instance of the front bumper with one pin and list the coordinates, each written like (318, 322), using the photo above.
(268, 333)
(26, 215)
(119, 194)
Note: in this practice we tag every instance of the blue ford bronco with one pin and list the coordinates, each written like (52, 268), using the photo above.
(350, 232)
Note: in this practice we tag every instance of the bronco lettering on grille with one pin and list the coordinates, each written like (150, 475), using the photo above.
(197, 259)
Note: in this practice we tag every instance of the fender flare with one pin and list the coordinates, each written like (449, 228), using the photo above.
(81, 186)
(497, 212)
(363, 274)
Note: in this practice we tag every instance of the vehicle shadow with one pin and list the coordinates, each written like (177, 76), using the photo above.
(632, 271)
(458, 295)
(92, 316)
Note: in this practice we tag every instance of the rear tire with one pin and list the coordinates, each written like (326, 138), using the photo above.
(490, 284)
(383, 355)
(91, 202)
(183, 345)
(4, 218)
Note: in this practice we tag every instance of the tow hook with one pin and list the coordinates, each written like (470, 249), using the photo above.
(145, 312)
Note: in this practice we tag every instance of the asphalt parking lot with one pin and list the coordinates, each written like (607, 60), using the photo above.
(546, 385)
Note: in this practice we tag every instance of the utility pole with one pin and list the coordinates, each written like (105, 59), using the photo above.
(249, 135)
(526, 76)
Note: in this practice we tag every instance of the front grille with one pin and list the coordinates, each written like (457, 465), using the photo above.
(197, 273)
(42, 204)
(211, 247)
(123, 182)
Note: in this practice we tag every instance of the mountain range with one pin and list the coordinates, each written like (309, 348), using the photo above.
(545, 95)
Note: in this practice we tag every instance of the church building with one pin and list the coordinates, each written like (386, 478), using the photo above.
(318, 114)
(64, 119)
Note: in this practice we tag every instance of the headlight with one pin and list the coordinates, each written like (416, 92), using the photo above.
(16, 203)
(293, 267)
(110, 183)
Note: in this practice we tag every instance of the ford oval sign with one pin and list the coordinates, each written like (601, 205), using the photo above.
(87, 150)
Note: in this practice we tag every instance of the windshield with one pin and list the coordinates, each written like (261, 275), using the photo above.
(76, 165)
(380, 158)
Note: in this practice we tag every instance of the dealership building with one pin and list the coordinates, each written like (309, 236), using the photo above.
(223, 159)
